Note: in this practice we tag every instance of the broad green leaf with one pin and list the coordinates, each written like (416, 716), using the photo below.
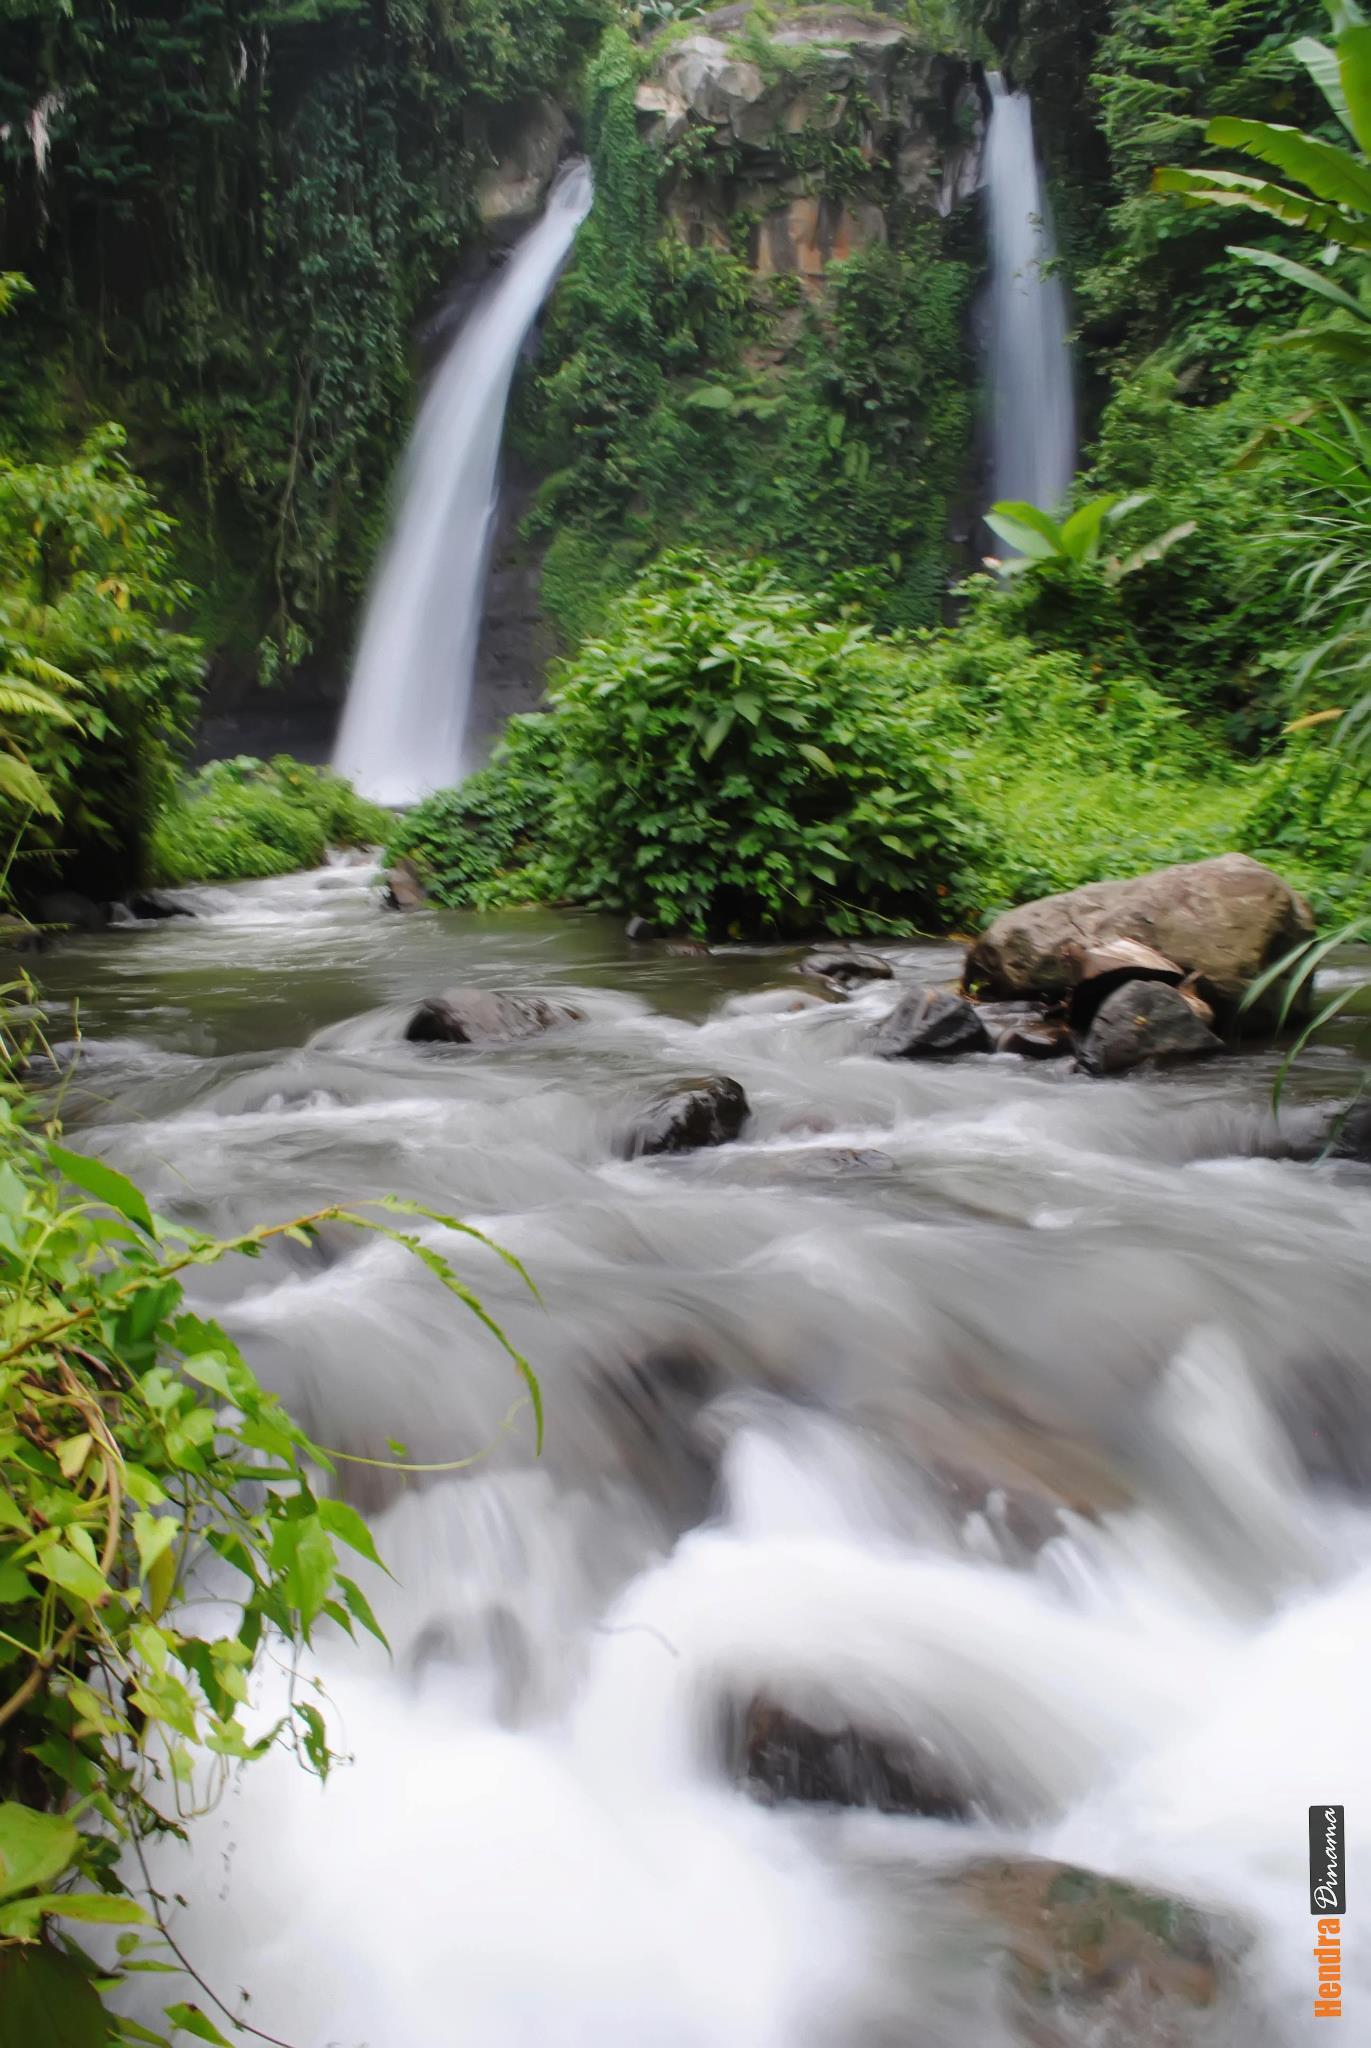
(1354, 68)
(48, 2001)
(1080, 534)
(191, 2020)
(718, 732)
(347, 1525)
(1330, 172)
(1235, 188)
(1024, 527)
(816, 757)
(153, 1536)
(105, 1909)
(105, 1184)
(358, 1606)
(72, 1572)
(1322, 65)
(1301, 274)
(34, 1847)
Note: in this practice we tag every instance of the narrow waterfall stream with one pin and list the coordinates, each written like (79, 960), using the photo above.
(772, 1372)
(404, 725)
(1033, 406)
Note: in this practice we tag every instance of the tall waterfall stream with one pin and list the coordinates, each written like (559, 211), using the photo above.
(404, 726)
(759, 1363)
(1028, 368)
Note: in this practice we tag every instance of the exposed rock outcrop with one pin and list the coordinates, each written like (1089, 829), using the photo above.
(1222, 922)
(779, 1756)
(1145, 1023)
(913, 117)
(481, 1016)
(928, 1024)
(708, 1110)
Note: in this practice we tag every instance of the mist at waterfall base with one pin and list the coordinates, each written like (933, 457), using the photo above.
(404, 724)
(750, 1358)
(1032, 400)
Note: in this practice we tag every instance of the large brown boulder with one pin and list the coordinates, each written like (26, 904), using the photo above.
(1221, 921)
(483, 1016)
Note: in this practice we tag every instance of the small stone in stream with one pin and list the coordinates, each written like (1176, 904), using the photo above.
(846, 965)
(479, 1016)
(1350, 1133)
(1145, 1023)
(776, 1756)
(929, 1024)
(153, 906)
(707, 1110)
(404, 888)
(688, 949)
(639, 930)
(1041, 1042)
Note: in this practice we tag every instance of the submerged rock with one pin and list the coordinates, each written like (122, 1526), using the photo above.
(639, 931)
(1082, 1948)
(709, 1109)
(1220, 921)
(846, 966)
(155, 905)
(930, 1023)
(1145, 1023)
(778, 1756)
(480, 1016)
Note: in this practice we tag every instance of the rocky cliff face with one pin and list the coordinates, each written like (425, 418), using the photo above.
(798, 148)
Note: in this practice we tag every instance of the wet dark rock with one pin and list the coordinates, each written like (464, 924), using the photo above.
(1145, 1023)
(1349, 1135)
(1104, 968)
(777, 1756)
(404, 887)
(846, 965)
(75, 912)
(1130, 1965)
(709, 1109)
(651, 1406)
(155, 906)
(478, 1016)
(639, 930)
(930, 1023)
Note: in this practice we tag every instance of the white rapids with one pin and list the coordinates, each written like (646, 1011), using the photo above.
(746, 1355)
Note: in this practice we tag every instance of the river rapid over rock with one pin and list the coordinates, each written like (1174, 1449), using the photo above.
(1018, 1421)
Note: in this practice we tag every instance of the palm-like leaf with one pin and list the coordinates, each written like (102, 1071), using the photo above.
(22, 787)
(20, 699)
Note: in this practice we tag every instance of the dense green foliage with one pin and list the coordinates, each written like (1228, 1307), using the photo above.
(241, 819)
(682, 396)
(135, 1442)
(88, 602)
(232, 214)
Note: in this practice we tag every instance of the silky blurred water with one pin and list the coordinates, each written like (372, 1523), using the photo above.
(755, 1363)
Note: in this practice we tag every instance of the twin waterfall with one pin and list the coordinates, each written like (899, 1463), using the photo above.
(1033, 406)
(404, 728)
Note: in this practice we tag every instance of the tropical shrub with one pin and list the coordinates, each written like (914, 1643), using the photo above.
(480, 844)
(88, 603)
(730, 764)
(141, 1461)
(243, 819)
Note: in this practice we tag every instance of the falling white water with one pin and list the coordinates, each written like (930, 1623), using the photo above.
(404, 726)
(1033, 431)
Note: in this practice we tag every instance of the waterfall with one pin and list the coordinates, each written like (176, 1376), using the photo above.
(1033, 430)
(405, 721)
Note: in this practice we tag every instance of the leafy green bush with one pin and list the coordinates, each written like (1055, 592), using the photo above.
(88, 602)
(729, 764)
(479, 845)
(134, 1442)
(245, 819)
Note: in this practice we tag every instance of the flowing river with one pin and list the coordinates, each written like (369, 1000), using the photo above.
(1020, 1421)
